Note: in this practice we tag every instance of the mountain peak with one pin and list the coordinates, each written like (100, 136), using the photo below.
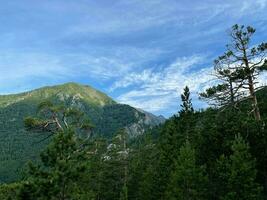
(107, 116)
(62, 92)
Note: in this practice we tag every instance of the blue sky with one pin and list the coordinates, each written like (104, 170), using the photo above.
(139, 52)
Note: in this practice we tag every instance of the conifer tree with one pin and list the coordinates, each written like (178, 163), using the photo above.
(186, 106)
(115, 168)
(61, 175)
(125, 161)
(167, 156)
(185, 118)
(64, 169)
(227, 92)
(54, 118)
(144, 158)
(237, 174)
(97, 149)
(174, 133)
(237, 70)
(246, 61)
(188, 180)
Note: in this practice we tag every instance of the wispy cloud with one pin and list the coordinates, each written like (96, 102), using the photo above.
(250, 6)
(159, 90)
(46, 67)
(162, 77)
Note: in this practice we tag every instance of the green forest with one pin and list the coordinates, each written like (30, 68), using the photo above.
(217, 153)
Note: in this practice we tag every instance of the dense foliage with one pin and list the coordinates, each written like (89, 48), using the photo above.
(214, 154)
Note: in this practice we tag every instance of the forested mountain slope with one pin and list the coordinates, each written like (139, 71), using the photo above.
(217, 153)
(18, 146)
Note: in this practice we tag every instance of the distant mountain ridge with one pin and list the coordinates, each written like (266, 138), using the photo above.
(84, 92)
(17, 146)
(86, 98)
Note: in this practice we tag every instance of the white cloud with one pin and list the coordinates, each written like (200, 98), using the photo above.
(166, 77)
(134, 16)
(21, 71)
(126, 16)
(159, 90)
(144, 100)
(252, 6)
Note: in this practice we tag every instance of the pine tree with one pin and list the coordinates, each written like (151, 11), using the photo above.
(54, 118)
(185, 118)
(186, 106)
(62, 172)
(64, 169)
(114, 181)
(188, 180)
(167, 156)
(237, 174)
(97, 180)
(245, 61)
(142, 170)
(227, 92)
(125, 161)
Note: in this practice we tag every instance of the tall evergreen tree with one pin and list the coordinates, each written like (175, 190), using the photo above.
(186, 106)
(237, 174)
(246, 61)
(61, 175)
(188, 180)
(125, 160)
(167, 155)
(114, 183)
(144, 159)
(97, 149)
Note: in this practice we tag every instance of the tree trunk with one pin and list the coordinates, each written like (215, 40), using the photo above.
(255, 106)
(232, 92)
(253, 96)
(125, 168)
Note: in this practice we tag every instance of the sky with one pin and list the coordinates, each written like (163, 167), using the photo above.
(139, 52)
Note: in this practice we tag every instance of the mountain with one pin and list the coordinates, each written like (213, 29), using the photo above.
(18, 146)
